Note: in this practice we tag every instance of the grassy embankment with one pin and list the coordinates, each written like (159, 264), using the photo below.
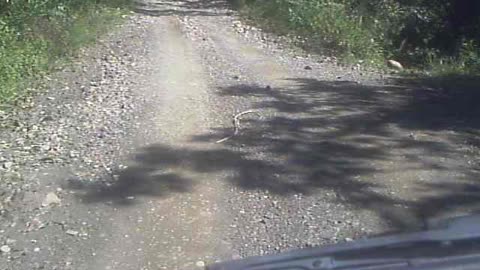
(439, 37)
(37, 35)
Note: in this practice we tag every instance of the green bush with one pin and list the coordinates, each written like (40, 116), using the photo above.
(19, 61)
(327, 24)
(34, 34)
(467, 62)
(413, 32)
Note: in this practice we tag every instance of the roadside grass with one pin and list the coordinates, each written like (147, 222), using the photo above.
(325, 26)
(32, 45)
(92, 24)
(467, 63)
(356, 33)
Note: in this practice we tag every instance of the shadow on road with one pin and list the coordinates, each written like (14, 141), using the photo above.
(357, 140)
(182, 8)
(147, 177)
(361, 142)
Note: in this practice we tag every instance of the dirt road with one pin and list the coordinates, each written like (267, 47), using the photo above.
(129, 147)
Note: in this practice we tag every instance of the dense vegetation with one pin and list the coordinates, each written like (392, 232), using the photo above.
(443, 35)
(34, 34)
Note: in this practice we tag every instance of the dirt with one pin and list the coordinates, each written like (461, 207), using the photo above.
(117, 165)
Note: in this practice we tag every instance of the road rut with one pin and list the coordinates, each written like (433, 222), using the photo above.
(180, 231)
(332, 152)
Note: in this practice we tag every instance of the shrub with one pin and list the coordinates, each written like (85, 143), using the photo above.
(413, 32)
(34, 34)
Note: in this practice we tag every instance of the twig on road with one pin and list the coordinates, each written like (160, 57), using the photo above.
(236, 125)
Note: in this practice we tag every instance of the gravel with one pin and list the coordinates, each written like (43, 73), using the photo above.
(263, 221)
(72, 132)
(301, 175)
(5, 249)
(51, 199)
(70, 193)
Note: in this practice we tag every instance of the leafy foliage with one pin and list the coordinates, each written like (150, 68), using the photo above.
(34, 34)
(416, 32)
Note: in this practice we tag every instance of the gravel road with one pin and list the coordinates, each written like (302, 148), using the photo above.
(118, 164)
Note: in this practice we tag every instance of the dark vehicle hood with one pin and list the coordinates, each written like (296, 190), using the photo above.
(445, 244)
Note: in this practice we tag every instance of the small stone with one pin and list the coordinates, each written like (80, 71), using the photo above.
(46, 147)
(394, 64)
(71, 232)
(10, 241)
(348, 239)
(51, 199)
(200, 264)
(35, 224)
(308, 68)
(5, 249)
(37, 249)
(268, 87)
(7, 165)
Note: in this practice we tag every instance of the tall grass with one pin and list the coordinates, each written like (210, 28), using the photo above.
(327, 24)
(466, 63)
(418, 33)
(35, 34)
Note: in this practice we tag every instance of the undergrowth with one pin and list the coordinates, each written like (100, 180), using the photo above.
(439, 36)
(36, 34)
(326, 25)
(467, 62)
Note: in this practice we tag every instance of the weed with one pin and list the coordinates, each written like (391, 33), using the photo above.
(418, 33)
(466, 63)
(327, 25)
(35, 35)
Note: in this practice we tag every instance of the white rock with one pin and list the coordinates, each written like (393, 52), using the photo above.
(10, 241)
(200, 264)
(7, 165)
(394, 64)
(5, 249)
(71, 232)
(51, 199)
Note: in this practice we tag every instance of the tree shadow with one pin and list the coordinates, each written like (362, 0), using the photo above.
(443, 102)
(142, 178)
(397, 150)
(349, 138)
(181, 8)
